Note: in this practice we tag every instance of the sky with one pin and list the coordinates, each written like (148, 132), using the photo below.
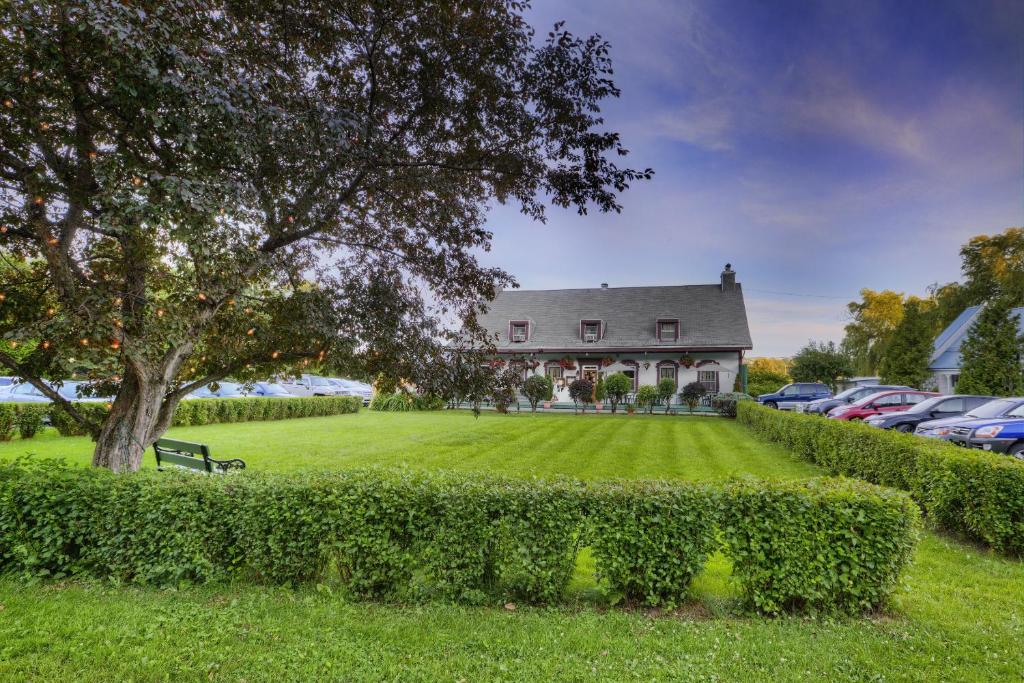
(819, 147)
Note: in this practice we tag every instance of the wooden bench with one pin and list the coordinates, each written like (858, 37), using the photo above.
(192, 456)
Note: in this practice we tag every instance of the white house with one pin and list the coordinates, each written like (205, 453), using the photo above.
(683, 332)
(946, 361)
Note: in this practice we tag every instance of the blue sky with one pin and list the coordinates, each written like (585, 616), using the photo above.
(820, 147)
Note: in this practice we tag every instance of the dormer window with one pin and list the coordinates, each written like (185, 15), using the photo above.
(519, 331)
(590, 331)
(668, 330)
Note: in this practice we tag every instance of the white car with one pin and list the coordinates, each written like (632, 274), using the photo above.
(349, 387)
(311, 385)
(28, 393)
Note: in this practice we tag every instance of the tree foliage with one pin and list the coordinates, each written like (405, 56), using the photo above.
(537, 388)
(196, 190)
(821, 362)
(873, 320)
(617, 386)
(993, 352)
(692, 393)
(907, 354)
(580, 391)
(646, 397)
(666, 389)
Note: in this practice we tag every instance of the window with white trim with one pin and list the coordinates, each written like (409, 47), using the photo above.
(709, 378)
(668, 330)
(591, 331)
(667, 372)
(520, 331)
(555, 372)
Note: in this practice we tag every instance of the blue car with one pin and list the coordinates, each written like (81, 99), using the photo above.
(1000, 408)
(999, 436)
(790, 395)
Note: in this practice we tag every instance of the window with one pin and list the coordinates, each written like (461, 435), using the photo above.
(667, 372)
(953, 405)
(555, 372)
(890, 400)
(631, 374)
(709, 378)
(668, 330)
(912, 399)
(590, 330)
(519, 330)
(791, 390)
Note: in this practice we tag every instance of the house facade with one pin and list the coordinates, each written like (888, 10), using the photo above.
(946, 361)
(686, 333)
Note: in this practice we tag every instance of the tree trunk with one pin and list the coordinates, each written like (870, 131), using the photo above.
(132, 425)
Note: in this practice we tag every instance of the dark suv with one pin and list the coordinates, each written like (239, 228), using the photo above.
(790, 395)
(851, 395)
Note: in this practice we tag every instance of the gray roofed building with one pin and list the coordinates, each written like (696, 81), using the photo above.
(675, 317)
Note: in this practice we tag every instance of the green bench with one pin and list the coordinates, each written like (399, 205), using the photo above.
(192, 456)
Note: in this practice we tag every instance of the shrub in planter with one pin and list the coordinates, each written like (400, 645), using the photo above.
(617, 387)
(691, 394)
(30, 419)
(580, 392)
(666, 389)
(600, 393)
(537, 388)
(646, 397)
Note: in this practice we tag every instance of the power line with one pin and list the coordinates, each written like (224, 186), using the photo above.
(815, 296)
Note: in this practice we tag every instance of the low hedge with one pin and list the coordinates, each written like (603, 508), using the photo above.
(397, 535)
(978, 494)
(404, 402)
(29, 417)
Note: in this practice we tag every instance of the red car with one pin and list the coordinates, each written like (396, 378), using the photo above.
(890, 401)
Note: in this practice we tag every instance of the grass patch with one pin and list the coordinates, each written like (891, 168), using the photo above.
(584, 446)
(959, 615)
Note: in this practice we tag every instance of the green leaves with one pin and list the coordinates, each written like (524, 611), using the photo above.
(966, 491)
(410, 536)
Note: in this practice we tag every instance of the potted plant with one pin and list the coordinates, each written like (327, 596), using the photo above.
(551, 391)
(600, 393)
(630, 408)
(686, 361)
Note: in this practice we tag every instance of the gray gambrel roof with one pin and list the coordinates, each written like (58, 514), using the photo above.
(708, 317)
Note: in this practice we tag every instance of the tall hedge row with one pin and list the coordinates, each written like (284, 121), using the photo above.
(28, 417)
(821, 545)
(971, 492)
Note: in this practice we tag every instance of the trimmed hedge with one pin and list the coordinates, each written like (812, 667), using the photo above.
(971, 492)
(28, 417)
(398, 535)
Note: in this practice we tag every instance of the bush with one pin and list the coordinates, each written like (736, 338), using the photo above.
(537, 388)
(403, 402)
(651, 538)
(400, 535)
(666, 389)
(618, 387)
(725, 403)
(646, 397)
(692, 393)
(580, 391)
(822, 545)
(971, 492)
(8, 420)
(30, 419)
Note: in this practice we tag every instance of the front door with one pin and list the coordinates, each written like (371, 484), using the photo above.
(590, 373)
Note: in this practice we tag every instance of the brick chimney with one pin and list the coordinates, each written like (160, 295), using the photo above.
(728, 278)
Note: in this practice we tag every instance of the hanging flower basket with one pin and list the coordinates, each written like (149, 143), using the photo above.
(606, 361)
(686, 362)
(567, 364)
(497, 363)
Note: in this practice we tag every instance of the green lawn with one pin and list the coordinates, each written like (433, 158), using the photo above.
(959, 616)
(585, 446)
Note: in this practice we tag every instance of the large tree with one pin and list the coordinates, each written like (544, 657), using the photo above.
(873, 320)
(191, 190)
(821, 362)
(993, 352)
(908, 352)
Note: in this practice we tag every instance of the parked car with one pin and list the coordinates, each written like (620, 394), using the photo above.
(311, 385)
(270, 390)
(851, 395)
(790, 395)
(354, 388)
(930, 409)
(1004, 435)
(943, 429)
(6, 383)
(223, 390)
(71, 390)
(880, 402)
